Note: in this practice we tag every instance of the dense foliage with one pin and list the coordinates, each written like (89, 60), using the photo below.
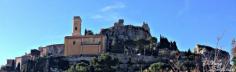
(80, 67)
(104, 63)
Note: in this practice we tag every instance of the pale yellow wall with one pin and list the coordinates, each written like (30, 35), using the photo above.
(91, 49)
(71, 49)
(77, 24)
(91, 45)
(18, 61)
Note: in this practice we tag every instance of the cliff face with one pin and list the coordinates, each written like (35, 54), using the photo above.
(213, 57)
(120, 33)
(210, 52)
(126, 32)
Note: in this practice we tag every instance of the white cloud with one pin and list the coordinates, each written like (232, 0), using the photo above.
(113, 7)
(107, 17)
(109, 12)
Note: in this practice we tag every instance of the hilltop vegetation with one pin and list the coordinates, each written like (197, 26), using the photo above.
(128, 49)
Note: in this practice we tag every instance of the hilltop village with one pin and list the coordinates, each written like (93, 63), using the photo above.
(120, 48)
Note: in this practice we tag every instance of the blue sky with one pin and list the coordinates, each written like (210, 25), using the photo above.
(28, 24)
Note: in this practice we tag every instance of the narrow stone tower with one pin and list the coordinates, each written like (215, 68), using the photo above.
(76, 26)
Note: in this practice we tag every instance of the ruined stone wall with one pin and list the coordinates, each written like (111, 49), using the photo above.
(17, 61)
(119, 34)
(52, 50)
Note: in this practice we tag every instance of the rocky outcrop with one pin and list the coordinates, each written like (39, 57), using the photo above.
(210, 52)
(119, 33)
(126, 32)
(213, 58)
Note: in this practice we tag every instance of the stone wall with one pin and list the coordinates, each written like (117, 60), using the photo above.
(52, 50)
(119, 33)
(90, 44)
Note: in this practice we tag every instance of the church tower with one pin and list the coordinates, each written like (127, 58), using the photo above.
(76, 26)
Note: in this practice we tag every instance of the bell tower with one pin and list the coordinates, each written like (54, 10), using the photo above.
(76, 26)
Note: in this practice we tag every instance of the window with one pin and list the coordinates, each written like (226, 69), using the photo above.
(74, 42)
(75, 28)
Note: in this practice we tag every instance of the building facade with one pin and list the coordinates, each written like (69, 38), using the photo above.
(52, 50)
(78, 44)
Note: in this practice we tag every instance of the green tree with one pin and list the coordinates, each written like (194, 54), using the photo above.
(153, 40)
(143, 45)
(156, 67)
(104, 63)
(80, 67)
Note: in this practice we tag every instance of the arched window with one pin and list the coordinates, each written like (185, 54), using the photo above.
(74, 42)
(75, 28)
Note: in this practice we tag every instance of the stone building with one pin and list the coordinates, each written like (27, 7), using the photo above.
(18, 61)
(9, 67)
(52, 50)
(10, 62)
(22, 60)
(120, 34)
(87, 44)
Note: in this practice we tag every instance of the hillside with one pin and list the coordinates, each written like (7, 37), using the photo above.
(128, 48)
